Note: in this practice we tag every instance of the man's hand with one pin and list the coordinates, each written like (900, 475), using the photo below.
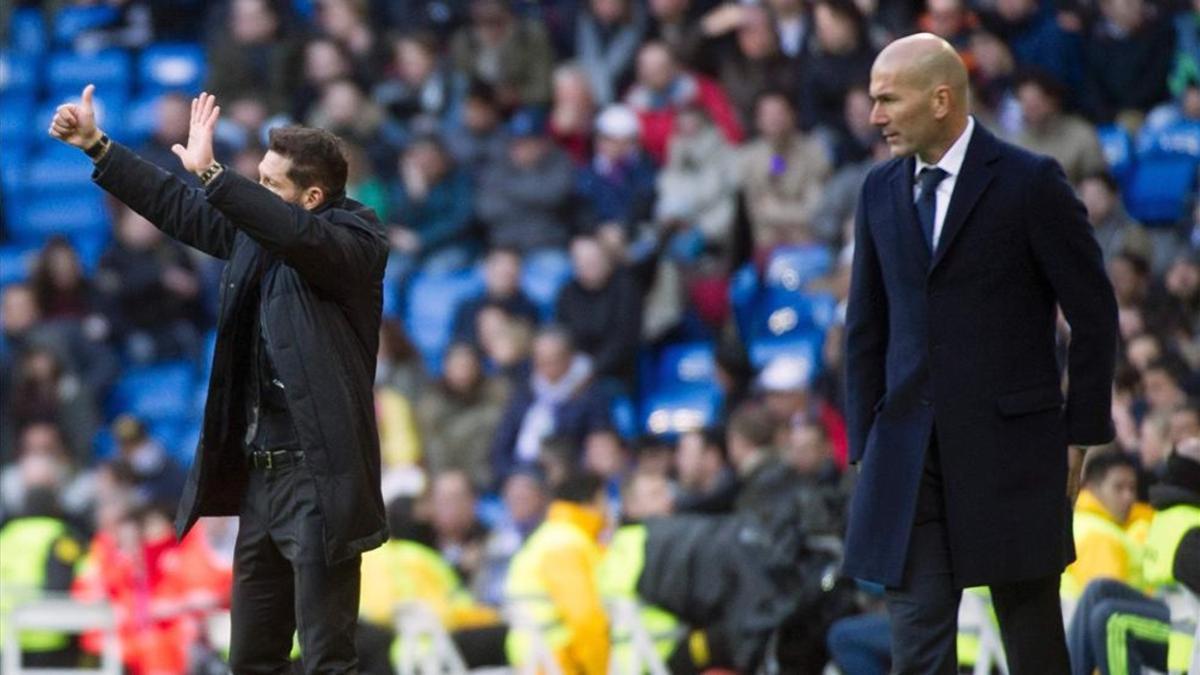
(198, 155)
(75, 123)
(1075, 455)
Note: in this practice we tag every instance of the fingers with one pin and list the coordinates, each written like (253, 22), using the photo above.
(88, 91)
(211, 122)
(207, 102)
(195, 104)
(179, 151)
(68, 114)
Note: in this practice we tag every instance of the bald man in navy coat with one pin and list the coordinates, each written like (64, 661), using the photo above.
(967, 448)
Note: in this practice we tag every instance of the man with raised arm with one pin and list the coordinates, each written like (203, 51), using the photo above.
(288, 441)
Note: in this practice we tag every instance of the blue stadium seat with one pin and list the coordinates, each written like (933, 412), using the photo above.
(543, 274)
(783, 319)
(171, 67)
(686, 364)
(58, 168)
(803, 344)
(744, 289)
(27, 31)
(624, 416)
(110, 116)
(141, 118)
(792, 267)
(16, 131)
(1117, 145)
(157, 393)
(675, 410)
(73, 20)
(432, 300)
(1179, 137)
(18, 74)
(71, 213)
(16, 262)
(67, 73)
(1159, 189)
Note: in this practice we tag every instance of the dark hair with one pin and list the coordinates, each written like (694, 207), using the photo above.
(1100, 464)
(317, 158)
(396, 343)
(1169, 368)
(403, 524)
(580, 487)
(1039, 78)
(849, 10)
(1140, 265)
(42, 280)
(755, 423)
(482, 91)
(775, 93)
(504, 249)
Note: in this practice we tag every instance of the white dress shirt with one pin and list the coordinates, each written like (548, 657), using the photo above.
(951, 163)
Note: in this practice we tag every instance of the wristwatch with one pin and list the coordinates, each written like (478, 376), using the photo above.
(210, 173)
(96, 150)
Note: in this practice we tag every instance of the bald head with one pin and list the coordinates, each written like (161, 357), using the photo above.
(920, 91)
(927, 61)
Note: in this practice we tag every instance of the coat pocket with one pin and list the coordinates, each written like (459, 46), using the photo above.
(1027, 401)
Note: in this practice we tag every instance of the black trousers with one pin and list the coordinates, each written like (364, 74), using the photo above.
(924, 609)
(282, 585)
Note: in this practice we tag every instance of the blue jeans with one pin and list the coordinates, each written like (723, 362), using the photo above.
(861, 645)
(1088, 636)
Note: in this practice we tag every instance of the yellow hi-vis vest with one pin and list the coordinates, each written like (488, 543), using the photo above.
(525, 589)
(1158, 564)
(26, 545)
(1087, 525)
(619, 572)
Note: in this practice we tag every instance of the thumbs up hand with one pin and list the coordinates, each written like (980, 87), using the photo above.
(75, 123)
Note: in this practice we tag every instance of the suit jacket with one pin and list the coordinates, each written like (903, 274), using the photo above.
(963, 342)
(319, 311)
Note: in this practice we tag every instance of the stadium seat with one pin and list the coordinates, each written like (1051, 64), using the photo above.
(27, 31)
(803, 344)
(16, 262)
(16, 133)
(171, 67)
(58, 168)
(67, 73)
(791, 267)
(18, 74)
(1179, 137)
(686, 365)
(432, 300)
(543, 274)
(68, 213)
(1117, 145)
(140, 120)
(155, 394)
(676, 410)
(110, 115)
(73, 20)
(1160, 187)
(624, 416)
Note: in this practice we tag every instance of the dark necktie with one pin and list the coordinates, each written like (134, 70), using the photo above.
(928, 180)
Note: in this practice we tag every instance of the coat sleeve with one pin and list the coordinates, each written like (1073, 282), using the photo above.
(1066, 252)
(339, 259)
(175, 208)
(866, 334)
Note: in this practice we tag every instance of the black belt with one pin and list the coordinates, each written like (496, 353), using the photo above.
(275, 459)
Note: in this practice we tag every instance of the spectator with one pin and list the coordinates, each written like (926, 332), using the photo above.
(808, 450)
(1128, 59)
(511, 54)
(572, 113)
(1115, 229)
(1103, 546)
(786, 384)
(507, 340)
(363, 184)
(458, 533)
(558, 400)
(347, 112)
(432, 207)
(523, 199)
(458, 415)
(706, 483)
(347, 22)
(1176, 305)
(1185, 66)
(1162, 386)
(158, 479)
(954, 22)
(325, 61)
(618, 183)
(841, 56)
(676, 24)
(994, 102)
(62, 289)
(755, 63)
(793, 23)
(1050, 131)
(663, 88)
(857, 138)
(601, 309)
(481, 143)
(417, 87)
(607, 36)
(43, 463)
(525, 499)
(1153, 448)
(152, 292)
(856, 152)
(781, 173)
(41, 390)
(502, 288)
(764, 480)
(1185, 422)
(605, 454)
(399, 366)
(1037, 41)
(252, 58)
(1130, 276)
(697, 187)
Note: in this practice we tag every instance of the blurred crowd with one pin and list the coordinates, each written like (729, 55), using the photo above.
(656, 155)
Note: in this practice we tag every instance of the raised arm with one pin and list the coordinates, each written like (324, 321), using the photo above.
(177, 209)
